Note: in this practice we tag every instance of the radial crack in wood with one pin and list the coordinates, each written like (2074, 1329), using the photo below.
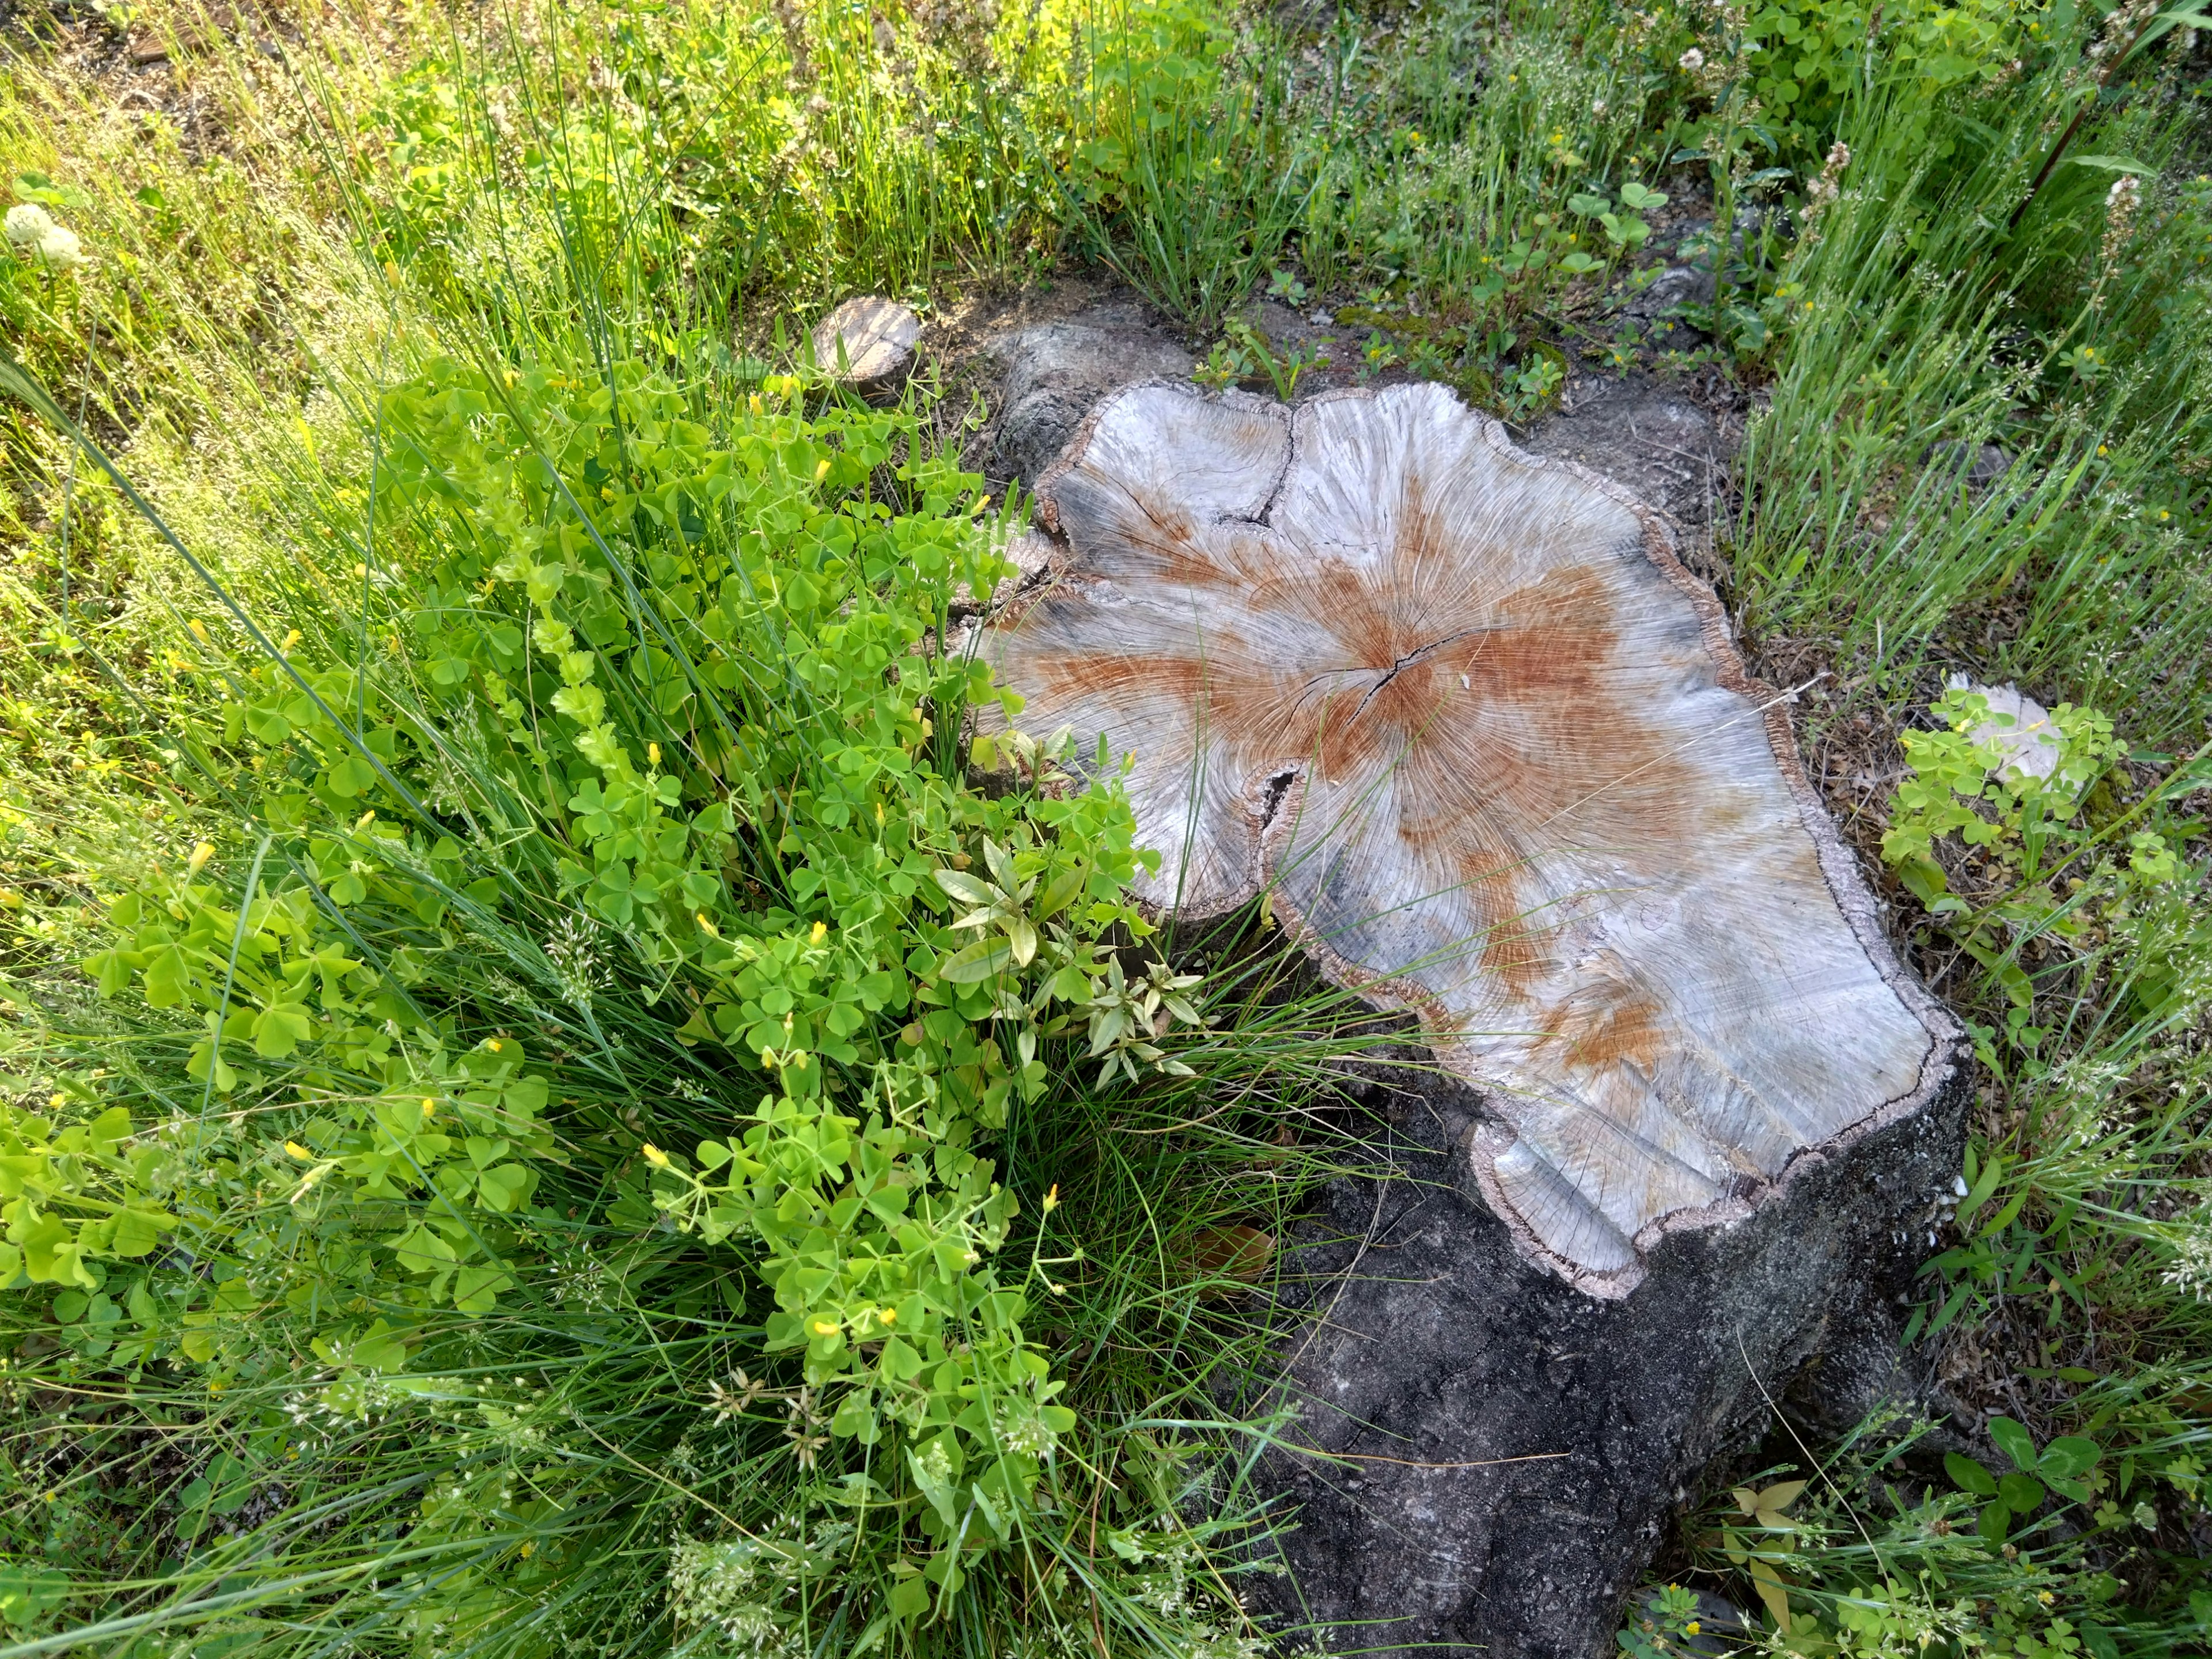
(1465, 714)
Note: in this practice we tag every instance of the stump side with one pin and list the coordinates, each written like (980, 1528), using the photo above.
(1519, 1447)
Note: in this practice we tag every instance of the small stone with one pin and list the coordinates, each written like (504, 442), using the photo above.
(1976, 465)
(2018, 727)
(1675, 287)
(878, 336)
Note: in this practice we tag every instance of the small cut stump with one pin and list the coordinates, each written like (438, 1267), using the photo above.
(867, 343)
(1466, 717)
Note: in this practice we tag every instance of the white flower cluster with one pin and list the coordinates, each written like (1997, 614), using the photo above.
(2192, 1258)
(33, 234)
(1225, 1644)
(723, 1583)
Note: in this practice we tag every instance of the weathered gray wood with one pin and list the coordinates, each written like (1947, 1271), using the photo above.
(877, 336)
(1465, 714)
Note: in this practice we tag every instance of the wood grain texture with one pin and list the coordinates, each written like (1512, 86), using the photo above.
(877, 336)
(1466, 713)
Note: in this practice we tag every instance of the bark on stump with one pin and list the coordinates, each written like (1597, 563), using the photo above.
(1464, 716)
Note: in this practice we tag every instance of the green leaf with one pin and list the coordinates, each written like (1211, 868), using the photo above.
(48, 1245)
(281, 1027)
(968, 889)
(1061, 892)
(909, 1597)
(422, 1251)
(979, 962)
(106, 1131)
(2119, 163)
(504, 1186)
(2014, 1440)
(1969, 1476)
(2021, 1493)
(2067, 1456)
(112, 969)
(381, 1349)
(168, 978)
(1995, 1521)
(1983, 1185)
(1926, 879)
(476, 1289)
(137, 1232)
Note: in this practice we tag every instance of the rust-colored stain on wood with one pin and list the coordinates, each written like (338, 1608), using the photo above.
(1530, 796)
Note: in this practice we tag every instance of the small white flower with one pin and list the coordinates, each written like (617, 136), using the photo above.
(28, 223)
(1692, 60)
(59, 250)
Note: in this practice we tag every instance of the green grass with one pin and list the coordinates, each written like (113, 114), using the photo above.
(455, 388)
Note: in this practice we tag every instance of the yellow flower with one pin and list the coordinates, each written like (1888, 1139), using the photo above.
(821, 469)
(429, 1108)
(887, 1316)
(655, 1156)
(821, 932)
(706, 927)
(825, 1327)
(199, 629)
(1052, 1199)
(290, 640)
(1690, 1629)
(201, 855)
(492, 1043)
(360, 570)
(365, 819)
(653, 754)
(299, 1151)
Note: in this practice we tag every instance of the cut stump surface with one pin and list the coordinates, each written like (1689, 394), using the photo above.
(877, 336)
(1487, 741)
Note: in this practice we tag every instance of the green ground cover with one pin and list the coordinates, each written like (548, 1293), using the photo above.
(542, 1111)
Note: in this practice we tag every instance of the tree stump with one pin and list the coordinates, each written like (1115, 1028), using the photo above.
(1465, 717)
(876, 338)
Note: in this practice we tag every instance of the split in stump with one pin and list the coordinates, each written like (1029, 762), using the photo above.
(1462, 713)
